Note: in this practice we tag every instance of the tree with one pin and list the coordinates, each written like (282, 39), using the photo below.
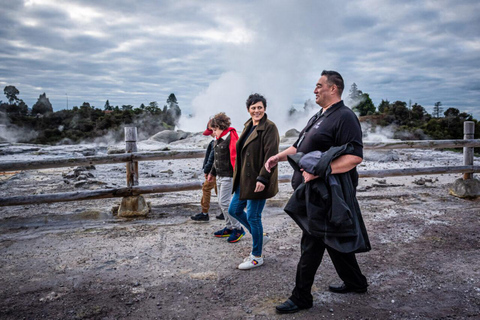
(42, 106)
(451, 113)
(365, 106)
(383, 106)
(173, 113)
(292, 111)
(172, 100)
(107, 106)
(437, 110)
(153, 108)
(11, 93)
(418, 112)
(354, 96)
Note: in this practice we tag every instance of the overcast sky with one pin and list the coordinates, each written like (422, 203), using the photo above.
(213, 54)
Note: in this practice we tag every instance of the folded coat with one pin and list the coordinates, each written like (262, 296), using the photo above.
(327, 207)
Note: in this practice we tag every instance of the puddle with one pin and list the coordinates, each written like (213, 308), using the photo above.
(73, 219)
(159, 215)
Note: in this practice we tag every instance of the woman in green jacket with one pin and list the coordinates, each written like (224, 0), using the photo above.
(252, 183)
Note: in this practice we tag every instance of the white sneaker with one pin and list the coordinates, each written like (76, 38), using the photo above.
(250, 262)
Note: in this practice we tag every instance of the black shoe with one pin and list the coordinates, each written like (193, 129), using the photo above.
(220, 216)
(346, 289)
(200, 217)
(288, 307)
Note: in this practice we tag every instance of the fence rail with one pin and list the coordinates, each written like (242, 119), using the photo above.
(200, 153)
(132, 158)
(159, 188)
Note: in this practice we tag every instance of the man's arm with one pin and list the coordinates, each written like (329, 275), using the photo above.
(345, 163)
(281, 156)
(342, 164)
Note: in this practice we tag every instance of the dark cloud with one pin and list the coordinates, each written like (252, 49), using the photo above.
(207, 53)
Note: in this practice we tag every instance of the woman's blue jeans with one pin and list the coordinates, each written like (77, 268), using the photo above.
(251, 220)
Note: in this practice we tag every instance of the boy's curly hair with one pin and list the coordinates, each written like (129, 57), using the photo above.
(221, 121)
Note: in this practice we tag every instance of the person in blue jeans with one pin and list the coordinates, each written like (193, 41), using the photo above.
(223, 164)
(252, 183)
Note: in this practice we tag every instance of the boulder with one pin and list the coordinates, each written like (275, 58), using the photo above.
(133, 206)
(469, 188)
(381, 155)
(168, 136)
(292, 133)
(115, 150)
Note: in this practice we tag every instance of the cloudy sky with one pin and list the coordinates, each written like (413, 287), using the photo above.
(213, 54)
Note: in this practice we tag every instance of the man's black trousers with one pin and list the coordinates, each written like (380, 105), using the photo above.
(313, 249)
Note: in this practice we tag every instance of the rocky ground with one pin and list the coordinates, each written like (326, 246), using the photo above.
(75, 260)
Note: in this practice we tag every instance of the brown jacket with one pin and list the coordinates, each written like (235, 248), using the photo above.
(250, 164)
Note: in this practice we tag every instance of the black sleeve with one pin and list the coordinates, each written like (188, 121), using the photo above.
(350, 131)
(209, 163)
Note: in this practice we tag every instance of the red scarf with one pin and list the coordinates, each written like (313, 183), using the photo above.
(233, 143)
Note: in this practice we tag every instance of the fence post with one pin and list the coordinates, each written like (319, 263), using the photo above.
(132, 205)
(131, 146)
(468, 133)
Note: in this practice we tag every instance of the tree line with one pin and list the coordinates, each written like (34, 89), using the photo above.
(410, 121)
(84, 123)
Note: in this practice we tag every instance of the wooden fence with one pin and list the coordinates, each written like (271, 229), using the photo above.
(131, 158)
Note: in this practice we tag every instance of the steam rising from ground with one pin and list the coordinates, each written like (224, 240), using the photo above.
(15, 134)
(229, 93)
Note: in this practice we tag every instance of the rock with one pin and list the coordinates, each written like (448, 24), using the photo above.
(82, 177)
(70, 175)
(79, 184)
(419, 182)
(381, 155)
(292, 133)
(89, 152)
(169, 136)
(115, 210)
(133, 206)
(115, 150)
(469, 188)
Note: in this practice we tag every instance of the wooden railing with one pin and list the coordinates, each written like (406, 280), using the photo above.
(132, 158)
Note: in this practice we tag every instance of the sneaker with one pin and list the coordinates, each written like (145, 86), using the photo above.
(266, 239)
(250, 262)
(200, 217)
(220, 216)
(236, 235)
(225, 232)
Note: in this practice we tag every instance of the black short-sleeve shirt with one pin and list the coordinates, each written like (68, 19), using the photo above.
(335, 127)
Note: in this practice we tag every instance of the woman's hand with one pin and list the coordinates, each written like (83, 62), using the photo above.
(259, 187)
(210, 177)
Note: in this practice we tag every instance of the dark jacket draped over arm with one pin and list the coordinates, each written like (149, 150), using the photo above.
(327, 207)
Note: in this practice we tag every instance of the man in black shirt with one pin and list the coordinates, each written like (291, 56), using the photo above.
(334, 125)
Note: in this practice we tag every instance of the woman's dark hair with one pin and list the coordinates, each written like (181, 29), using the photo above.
(254, 98)
(221, 121)
(334, 78)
